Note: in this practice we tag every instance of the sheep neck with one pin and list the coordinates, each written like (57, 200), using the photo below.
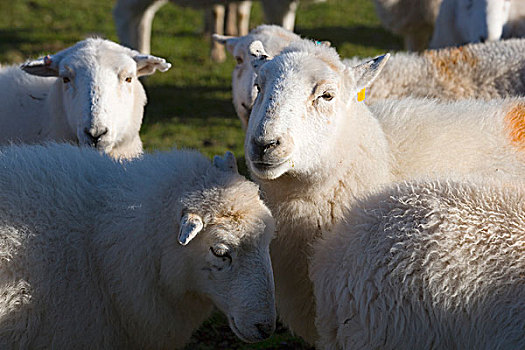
(306, 209)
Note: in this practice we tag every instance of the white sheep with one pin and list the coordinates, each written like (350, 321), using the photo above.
(95, 254)
(88, 93)
(425, 265)
(314, 150)
(133, 19)
(490, 70)
(412, 19)
(467, 21)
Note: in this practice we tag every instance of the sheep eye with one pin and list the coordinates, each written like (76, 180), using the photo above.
(66, 80)
(327, 96)
(239, 59)
(128, 80)
(221, 252)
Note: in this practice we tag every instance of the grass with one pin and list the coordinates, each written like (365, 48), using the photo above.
(190, 105)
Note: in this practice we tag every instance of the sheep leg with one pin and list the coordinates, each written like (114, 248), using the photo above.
(281, 12)
(231, 19)
(217, 50)
(133, 22)
(243, 17)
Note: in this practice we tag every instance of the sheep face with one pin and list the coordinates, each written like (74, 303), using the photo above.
(226, 233)
(302, 103)
(481, 20)
(102, 99)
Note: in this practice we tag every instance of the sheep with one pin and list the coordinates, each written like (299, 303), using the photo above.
(466, 21)
(483, 71)
(314, 149)
(97, 254)
(88, 93)
(133, 19)
(428, 264)
(414, 20)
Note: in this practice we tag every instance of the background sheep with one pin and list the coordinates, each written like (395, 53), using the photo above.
(96, 254)
(414, 20)
(88, 94)
(466, 21)
(420, 265)
(314, 149)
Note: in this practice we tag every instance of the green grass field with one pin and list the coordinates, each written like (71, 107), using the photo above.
(190, 105)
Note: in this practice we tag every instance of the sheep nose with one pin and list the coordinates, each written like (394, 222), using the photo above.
(94, 135)
(260, 148)
(265, 329)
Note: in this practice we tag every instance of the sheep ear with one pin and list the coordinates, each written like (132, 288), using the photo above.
(190, 225)
(226, 163)
(43, 67)
(365, 73)
(148, 64)
(229, 41)
(259, 54)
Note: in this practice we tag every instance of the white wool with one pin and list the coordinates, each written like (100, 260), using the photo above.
(425, 264)
(315, 150)
(90, 253)
(87, 94)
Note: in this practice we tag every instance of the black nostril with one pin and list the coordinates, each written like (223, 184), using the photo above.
(265, 329)
(95, 135)
(262, 147)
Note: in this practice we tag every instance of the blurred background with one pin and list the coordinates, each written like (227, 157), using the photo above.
(189, 105)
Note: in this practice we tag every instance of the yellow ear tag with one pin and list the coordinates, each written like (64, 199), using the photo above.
(361, 95)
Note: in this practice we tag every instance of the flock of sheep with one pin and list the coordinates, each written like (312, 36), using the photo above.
(397, 222)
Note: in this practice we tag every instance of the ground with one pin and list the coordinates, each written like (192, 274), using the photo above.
(190, 105)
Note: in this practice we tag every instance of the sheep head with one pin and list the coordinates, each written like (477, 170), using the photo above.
(98, 89)
(225, 230)
(304, 98)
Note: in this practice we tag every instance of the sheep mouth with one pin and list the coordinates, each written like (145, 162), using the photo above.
(243, 337)
(269, 170)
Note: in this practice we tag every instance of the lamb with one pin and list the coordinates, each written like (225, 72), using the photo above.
(425, 265)
(97, 254)
(88, 93)
(490, 70)
(314, 150)
(465, 21)
(414, 20)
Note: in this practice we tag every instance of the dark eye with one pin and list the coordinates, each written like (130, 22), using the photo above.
(222, 252)
(239, 59)
(128, 80)
(258, 87)
(327, 96)
(66, 80)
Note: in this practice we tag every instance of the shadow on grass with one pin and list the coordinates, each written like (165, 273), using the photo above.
(376, 37)
(189, 102)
